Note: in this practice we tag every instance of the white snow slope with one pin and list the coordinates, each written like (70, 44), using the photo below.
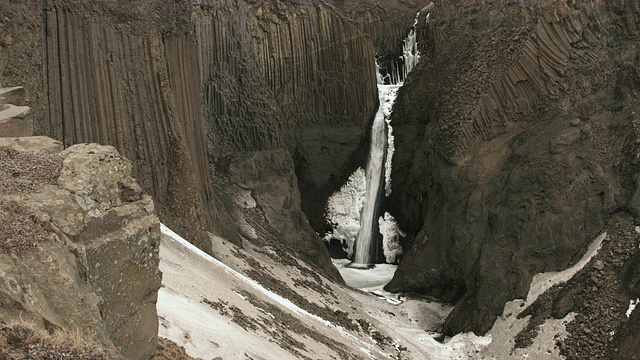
(214, 309)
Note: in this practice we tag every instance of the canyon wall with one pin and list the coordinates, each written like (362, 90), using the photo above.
(516, 138)
(193, 91)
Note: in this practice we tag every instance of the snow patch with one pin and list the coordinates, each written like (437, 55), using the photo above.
(186, 307)
(632, 306)
(277, 298)
(544, 281)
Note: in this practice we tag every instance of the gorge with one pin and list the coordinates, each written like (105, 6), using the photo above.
(359, 209)
(514, 157)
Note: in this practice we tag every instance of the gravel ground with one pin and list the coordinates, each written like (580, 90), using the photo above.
(596, 294)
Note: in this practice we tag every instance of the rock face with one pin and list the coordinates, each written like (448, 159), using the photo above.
(97, 270)
(516, 136)
(185, 89)
(627, 345)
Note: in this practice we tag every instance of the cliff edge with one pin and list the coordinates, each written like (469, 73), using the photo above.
(78, 246)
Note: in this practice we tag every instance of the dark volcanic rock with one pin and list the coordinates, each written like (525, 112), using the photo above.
(493, 179)
(626, 345)
(184, 88)
(631, 275)
(597, 297)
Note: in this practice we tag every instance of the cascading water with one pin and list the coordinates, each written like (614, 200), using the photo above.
(365, 244)
(410, 53)
(365, 247)
(353, 210)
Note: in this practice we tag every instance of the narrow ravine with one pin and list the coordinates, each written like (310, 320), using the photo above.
(366, 244)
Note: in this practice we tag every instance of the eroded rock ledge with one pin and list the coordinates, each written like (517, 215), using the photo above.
(96, 270)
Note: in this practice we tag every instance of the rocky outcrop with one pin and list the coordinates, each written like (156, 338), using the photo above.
(281, 79)
(96, 268)
(625, 344)
(110, 81)
(515, 139)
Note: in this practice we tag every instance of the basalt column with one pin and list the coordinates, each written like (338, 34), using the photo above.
(513, 144)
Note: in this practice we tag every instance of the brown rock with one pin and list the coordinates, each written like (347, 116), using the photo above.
(180, 88)
(32, 143)
(99, 272)
(626, 340)
(13, 95)
(598, 265)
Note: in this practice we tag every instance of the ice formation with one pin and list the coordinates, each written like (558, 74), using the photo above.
(379, 77)
(344, 208)
(410, 54)
(391, 234)
(387, 95)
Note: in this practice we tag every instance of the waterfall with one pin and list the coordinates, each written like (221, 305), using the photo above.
(410, 54)
(382, 143)
(365, 244)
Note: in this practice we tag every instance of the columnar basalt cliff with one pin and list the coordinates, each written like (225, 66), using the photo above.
(517, 142)
(387, 23)
(187, 90)
(516, 138)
